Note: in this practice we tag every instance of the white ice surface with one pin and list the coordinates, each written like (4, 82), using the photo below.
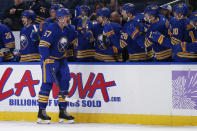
(32, 126)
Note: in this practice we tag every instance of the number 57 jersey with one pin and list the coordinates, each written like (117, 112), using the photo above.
(55, 42)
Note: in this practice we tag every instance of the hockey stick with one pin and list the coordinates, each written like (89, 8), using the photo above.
(58, 85)
(36, 30)
(171, 2)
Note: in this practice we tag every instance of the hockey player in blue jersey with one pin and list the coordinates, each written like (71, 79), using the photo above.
(166, 10)
(178, 23)
(107, 37)
(29, 38)
(182, 52)
(185, 52)
(136, 52)
(7, 44)
(53, 48)
(160, 24)
(192, 28)
(82, 15)
(84, 50)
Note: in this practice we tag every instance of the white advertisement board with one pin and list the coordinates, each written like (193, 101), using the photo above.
(106, 89)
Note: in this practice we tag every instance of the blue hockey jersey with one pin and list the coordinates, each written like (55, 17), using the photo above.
(7, 40)
(44, 25)
(191, 34)
(29, 42)
(135, 46)
(107, 39)
(182, 52)
(84, 50)
(185, 52)
(178, 30)
(162, 53)
(55, 42)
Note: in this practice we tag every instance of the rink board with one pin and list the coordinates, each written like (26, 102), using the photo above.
(140, 93)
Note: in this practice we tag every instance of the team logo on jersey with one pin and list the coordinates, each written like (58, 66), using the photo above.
(63, 44)
(23, 42)
(103, 42)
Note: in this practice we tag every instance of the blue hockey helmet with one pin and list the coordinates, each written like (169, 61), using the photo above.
(152, 10)
(56, 7)
(129, 8)
(104, 12)
(30, 14)
(62, 12)
(86, 9)
(193, 17)
(181, 8)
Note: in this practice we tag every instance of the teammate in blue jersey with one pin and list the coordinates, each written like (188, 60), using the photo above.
(84, 50)
(29, 38)
(51, 19)
(185, 52)
(107, 37)
(182, 52)
(136, 52)
(192, 28)
(7, 44)
(178, 23)
(166, 10)
(53, 46)
(160, 24)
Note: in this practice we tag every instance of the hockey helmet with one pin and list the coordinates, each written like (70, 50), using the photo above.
(152, 10)
(62, 12)
(129, 8)
(30, 14)
(56, 7)
(193, 17)
(86, 9)
(181, 8)
(104, 12)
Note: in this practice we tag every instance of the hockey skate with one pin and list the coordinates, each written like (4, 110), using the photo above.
(43, 118)
(65, 117)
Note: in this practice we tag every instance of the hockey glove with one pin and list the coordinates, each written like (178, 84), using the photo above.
(133, 32)
(5, 51)
(1, 56)
(88, 36)
(17, 56)
(156, 37)
(34, 36)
